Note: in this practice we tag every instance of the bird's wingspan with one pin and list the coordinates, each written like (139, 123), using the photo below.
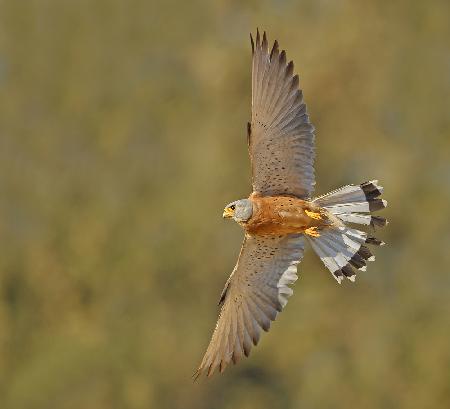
(254, 294)
(281, 138)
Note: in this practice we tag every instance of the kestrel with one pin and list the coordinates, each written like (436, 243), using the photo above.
(281, 213)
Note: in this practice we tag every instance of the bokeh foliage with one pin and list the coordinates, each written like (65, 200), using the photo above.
(122, 136)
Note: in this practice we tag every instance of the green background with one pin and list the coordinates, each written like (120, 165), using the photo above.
(122, 137)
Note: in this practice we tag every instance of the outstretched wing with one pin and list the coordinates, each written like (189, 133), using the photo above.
(255, 293)
(281, 138)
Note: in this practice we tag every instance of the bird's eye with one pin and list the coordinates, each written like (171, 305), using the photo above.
(232, 207)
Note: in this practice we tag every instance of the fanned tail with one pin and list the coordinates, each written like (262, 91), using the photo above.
(341, 248)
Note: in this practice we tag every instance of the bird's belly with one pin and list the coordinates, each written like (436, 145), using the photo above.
(280, 216)
(282, 223)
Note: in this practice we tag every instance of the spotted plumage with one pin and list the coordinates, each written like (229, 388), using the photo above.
(280, 213)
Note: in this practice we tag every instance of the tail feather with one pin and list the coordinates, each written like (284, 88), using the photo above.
(333, 260)
(350, 200)
(375, 241)
(367, 219)
(341, 248)
(378, 221)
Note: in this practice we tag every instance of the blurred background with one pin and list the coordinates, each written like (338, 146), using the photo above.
(122, 137)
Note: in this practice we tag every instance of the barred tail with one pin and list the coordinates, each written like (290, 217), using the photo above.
(341, 248)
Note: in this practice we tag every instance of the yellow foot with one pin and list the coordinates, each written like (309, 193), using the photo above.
(313, 215)
(312, 231)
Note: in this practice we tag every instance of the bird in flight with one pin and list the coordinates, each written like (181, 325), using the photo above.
(280, 214)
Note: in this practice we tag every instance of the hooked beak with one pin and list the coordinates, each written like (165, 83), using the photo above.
(228, 213)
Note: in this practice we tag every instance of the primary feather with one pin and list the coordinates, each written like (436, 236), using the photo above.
(281, 138)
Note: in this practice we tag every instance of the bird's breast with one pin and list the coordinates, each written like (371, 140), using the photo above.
(279, 215)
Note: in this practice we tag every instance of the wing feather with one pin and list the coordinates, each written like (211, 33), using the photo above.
(255, 293)
(281, 139)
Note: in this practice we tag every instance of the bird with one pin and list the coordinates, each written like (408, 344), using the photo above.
(281, 214)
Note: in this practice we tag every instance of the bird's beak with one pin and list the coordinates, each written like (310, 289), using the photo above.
(228, 213)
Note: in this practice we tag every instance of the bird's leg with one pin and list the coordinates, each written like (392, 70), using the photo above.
(313, 215)
(312, 231)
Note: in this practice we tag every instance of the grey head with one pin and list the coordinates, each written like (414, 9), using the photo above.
(240, 210)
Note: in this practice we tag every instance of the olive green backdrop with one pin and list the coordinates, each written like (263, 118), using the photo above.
(123, 135)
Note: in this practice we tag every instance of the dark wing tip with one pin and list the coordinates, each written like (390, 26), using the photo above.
(274, 49)
(290, 69)
(252, 43)
(247, 350)
(211, 370)
(264, 42)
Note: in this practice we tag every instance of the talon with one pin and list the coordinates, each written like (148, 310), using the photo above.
(313, 215)
(312, 231)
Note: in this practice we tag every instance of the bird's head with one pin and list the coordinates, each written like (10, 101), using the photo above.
(240, 210)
